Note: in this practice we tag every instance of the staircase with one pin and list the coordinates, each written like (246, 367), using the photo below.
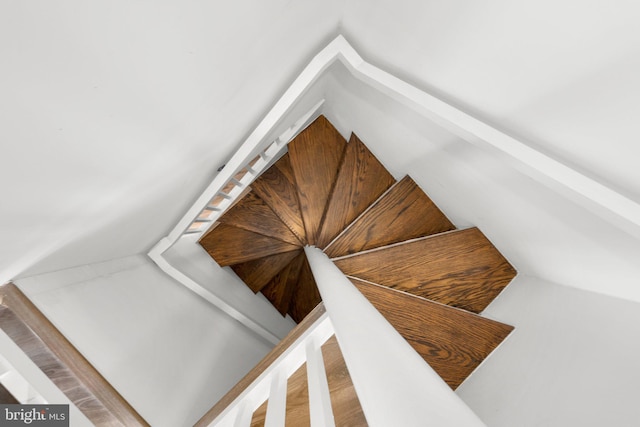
(428, 279)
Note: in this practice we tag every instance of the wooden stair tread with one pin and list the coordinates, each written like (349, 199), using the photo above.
(281, 288)
(453, 341)
(298, 413)
(315, 156)
(253, 214)
(459, 268)
(360, 181)
(258, 273)
(404, 212)
(306, 296)
(277, 188)
(260, 415)
(345, 404)
(230, 245)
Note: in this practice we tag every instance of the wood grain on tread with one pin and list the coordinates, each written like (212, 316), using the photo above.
(260, 415)
(281, 288)
(6, 397)
(298, 414)
(345, 404)
(257, 273)
(361, 180)
(454, 342)
(306, 296)
(230, 245)
(404, 212)
(460, 268)
(271, 357)
(277, 188)
(253, 214)
(61, 362)
(315, 156)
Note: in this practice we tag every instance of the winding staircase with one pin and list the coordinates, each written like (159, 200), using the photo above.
(427, 278)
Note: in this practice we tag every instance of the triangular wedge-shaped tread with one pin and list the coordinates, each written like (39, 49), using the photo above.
(253, 214)
(404, 212)
(360, 181)
(257, 273)
(459, 268)
(315, 157)
(306, 296)
(453, 341)
(230, 245)
(345, 404)
(298, 413)
(281, 288)
(277, 188)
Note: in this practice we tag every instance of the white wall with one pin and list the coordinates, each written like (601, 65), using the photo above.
(541, 233)
(191, 259)
(560, 75)
(572, 360)
(114, 116)
(168, 352)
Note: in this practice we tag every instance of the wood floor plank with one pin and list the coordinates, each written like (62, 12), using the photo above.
(230, 245)
(258, 273)
(361, 180)
(253, 214)
(260, 415)
(453, 341)
(281, 288)
(306, 296)
(345, 404)
(315, 156)
(277, 188)
(298, 414)
(404, 212)
(459, 268)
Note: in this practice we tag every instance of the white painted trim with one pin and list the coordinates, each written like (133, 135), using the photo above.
(286, 364)
(598, 198)
(593, 195)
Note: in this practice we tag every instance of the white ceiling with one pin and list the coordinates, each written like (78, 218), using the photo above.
(115, 115)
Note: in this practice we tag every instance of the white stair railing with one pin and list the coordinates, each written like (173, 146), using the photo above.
(394, 384)
(271, 384)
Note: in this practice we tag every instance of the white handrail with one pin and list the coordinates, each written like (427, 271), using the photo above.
(394, 384)
(274, 379)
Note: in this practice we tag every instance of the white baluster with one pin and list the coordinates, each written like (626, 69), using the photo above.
(319, 399)
(277, 406)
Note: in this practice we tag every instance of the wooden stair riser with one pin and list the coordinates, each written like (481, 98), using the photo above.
(281, 290)
(258, 273)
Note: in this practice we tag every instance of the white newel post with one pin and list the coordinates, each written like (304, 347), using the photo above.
(394, 384)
